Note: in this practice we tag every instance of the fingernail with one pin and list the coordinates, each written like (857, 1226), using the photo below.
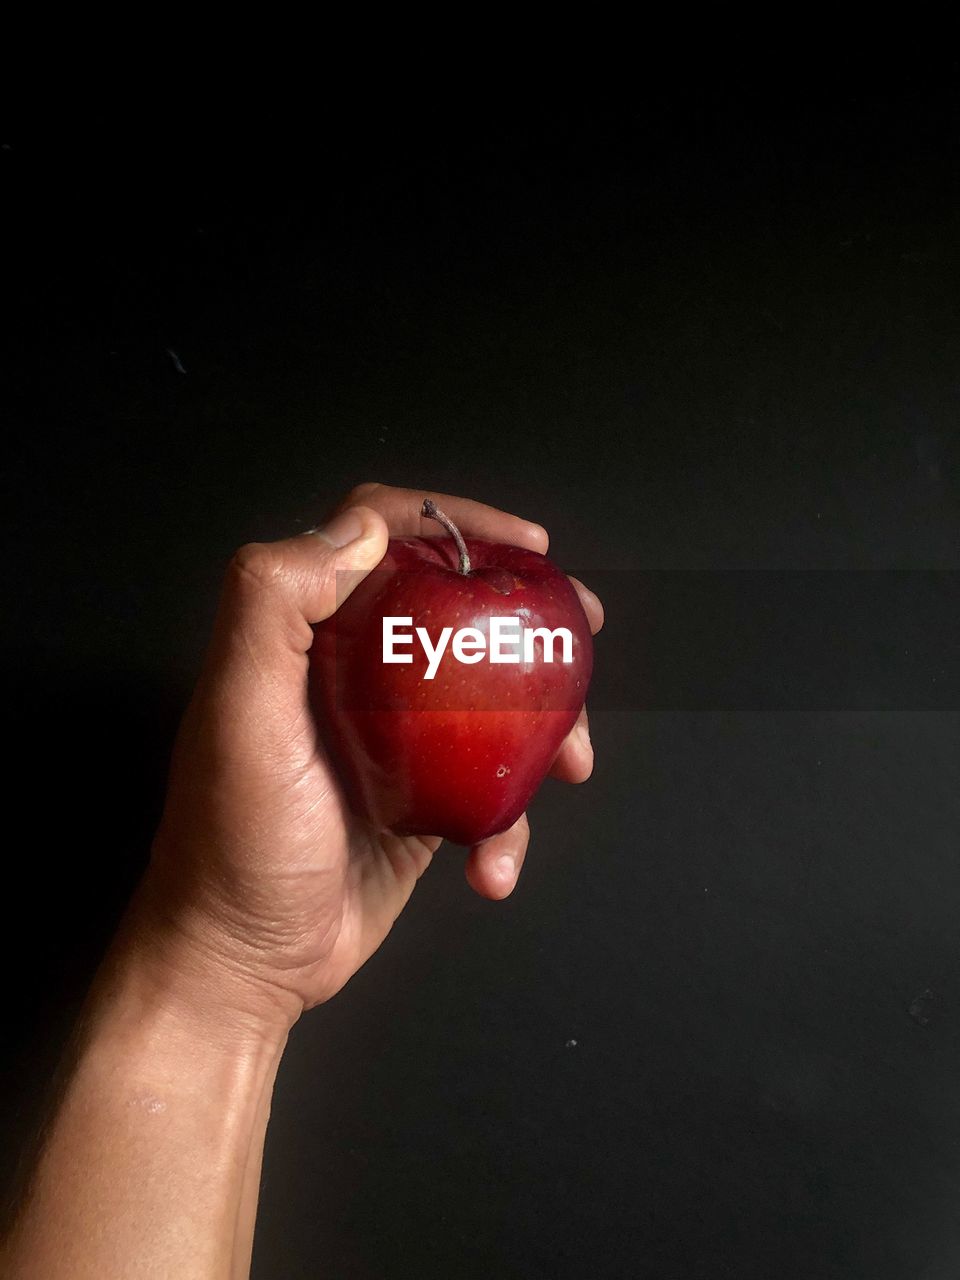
(583, 737)
(345, 527)
(506, 868)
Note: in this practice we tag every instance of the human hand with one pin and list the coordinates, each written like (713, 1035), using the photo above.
(258, 868)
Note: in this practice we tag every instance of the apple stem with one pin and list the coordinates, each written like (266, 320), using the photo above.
(431, 509)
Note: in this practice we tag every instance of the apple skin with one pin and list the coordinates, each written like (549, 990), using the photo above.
(461, 755)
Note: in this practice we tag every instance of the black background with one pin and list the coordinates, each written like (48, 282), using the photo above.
(714, 326)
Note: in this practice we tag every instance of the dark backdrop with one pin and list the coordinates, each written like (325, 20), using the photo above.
(703, 331)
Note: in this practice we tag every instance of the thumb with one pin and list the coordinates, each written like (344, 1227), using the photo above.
(274, 591)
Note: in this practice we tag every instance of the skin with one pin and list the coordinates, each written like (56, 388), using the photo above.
(262, 897)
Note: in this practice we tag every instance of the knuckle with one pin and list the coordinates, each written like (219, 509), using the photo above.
(257, 566)
(362, 492)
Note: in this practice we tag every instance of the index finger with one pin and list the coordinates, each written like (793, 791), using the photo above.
(401, 509)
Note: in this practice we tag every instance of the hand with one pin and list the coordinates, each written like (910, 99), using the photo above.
(258, 869)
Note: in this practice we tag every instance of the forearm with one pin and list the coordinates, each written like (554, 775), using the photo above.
(151, 1164)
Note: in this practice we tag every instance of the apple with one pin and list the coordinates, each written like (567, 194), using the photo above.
(449, 738)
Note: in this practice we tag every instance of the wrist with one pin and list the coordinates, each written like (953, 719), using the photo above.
(179, 959)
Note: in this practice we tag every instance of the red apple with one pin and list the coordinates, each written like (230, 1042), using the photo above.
(460, 753)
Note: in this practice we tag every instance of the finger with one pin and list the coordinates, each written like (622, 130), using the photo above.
(574, 760)
(592, 606)
(401, 509)
(493, 867)
(274, 591)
